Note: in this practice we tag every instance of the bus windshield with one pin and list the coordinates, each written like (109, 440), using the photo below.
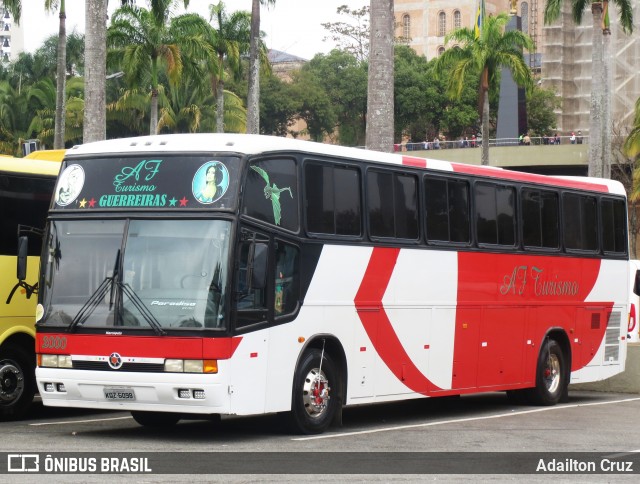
(128, 274)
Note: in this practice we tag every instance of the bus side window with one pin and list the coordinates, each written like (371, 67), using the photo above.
(287, 282)
(251, 302)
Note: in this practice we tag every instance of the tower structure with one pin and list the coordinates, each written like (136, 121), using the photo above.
(11, 36)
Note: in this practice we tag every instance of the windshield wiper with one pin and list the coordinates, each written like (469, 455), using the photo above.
(144, 311)
(94, 300)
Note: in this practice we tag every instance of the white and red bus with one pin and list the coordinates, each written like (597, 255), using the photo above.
(236, 274)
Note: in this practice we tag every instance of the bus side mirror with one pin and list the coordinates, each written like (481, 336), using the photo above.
(258, 266)
(636, 286)
(23, 250)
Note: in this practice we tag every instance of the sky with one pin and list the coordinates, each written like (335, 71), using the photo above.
(292, 26)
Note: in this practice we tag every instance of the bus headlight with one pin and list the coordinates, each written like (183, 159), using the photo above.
(55, 361)
(191, 366)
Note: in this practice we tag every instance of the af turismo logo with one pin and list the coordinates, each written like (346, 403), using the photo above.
(115, 361)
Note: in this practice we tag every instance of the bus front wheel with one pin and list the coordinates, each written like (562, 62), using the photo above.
(315, 398)
(155, 419)
(17, 383)
(551, 375)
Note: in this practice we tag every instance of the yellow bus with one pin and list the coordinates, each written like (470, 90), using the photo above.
(26, 185)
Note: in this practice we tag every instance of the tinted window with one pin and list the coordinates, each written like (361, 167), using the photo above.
(540, 218)
(392, 200)
(287, 280)
(271, 193)
(447, 206)
(23, 201)
(495, 206)
(380, 203)
(580, 222)
(614, 221)
(332, 199)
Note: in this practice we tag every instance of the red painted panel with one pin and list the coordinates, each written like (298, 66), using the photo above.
(528, 177)
(413, 161)
(140, 346)
(553, 288)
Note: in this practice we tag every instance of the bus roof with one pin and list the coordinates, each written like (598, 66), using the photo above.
(47, 155)
(29, 166)
(254, 144)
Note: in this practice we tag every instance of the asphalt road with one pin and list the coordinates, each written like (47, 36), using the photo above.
(505, 438)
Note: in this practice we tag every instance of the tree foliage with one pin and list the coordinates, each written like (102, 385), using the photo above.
(351, 36)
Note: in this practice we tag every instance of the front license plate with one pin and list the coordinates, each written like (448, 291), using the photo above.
(119, 394)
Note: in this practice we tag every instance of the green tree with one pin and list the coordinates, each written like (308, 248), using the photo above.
(17, 108)
(15, 8)
(380, 109)
(150, 41)
(315, 106)
(230, 38)
(600, 115)
(352, 36)
(422, 108)
(279, 106)
(485, 56)
(344, 79)
(190, 108)
(541, 110)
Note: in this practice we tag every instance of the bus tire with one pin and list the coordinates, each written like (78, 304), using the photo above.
(17, 382)
(315, 396)
(551, 375)
(155, 419)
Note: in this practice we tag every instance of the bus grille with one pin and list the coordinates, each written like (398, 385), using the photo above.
(103, 366)
(612, 338)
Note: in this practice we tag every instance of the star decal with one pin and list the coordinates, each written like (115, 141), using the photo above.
(172, 202)
(183, 202)
(83, 203)
(92, 203)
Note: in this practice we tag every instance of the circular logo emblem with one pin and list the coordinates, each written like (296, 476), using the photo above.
(210, 182)
(115, 361)
(69, 185)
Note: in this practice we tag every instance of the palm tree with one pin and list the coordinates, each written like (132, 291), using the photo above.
(379, 135)
(600, 116)
(231, 39)
(188, 108)
(95, 62)
(253, 94)
(148, 41)
(15, 8)
(485, 56)
(16, 106)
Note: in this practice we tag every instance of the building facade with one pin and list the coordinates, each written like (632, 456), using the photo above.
(562, 50)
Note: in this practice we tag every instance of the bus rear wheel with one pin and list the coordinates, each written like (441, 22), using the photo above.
(315, 398)
(155, 419)
(17, 383)
(551, 375)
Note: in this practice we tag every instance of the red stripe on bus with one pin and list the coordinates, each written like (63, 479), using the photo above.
(528, 177)
(411, 161)
(377, 324)
(137, 346)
